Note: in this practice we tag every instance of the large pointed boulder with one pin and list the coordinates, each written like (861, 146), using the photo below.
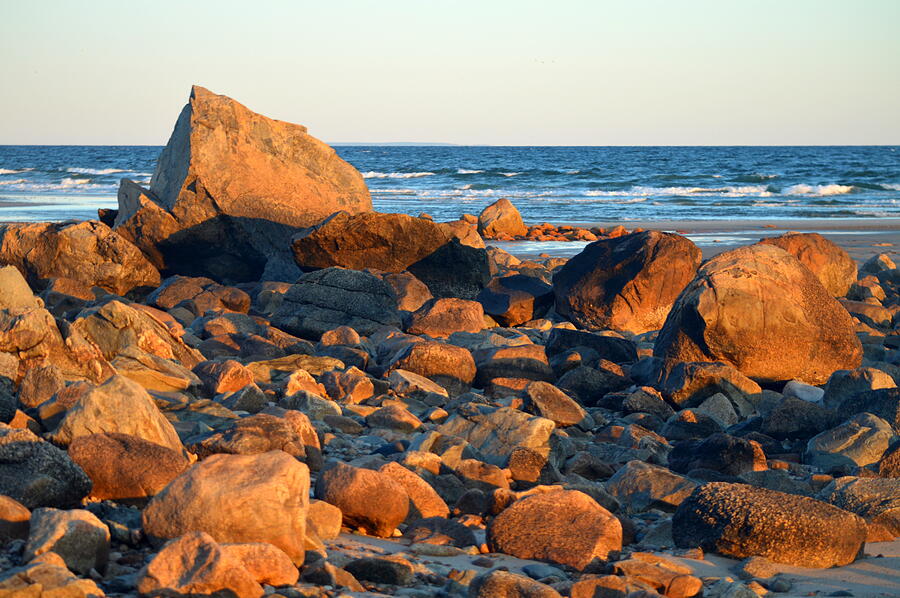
(827, 260)
(230, 189)
(762, 311)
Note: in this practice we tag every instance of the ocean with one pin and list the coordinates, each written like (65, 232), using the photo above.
(574, 185)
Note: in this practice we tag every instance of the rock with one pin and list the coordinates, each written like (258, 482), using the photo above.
(43, 578)
(411, 292)
(626, 283)
(212, 496)
(449, 366)
(641, 486)
(720, 452)
(440, 531)
(195, 565)
(124, 467)
(325, 299)
(807, 392)
(223, 168)
(115, 327)
(223, 376)
(14, 290)
(414, 386)
(432, 252)
(877, 500)
(845, 383)
(117, 406)
(550, 402)
(757, 308)
(38, 474)
(859, 441)
(392, 570)
(881, 262)
(366, 498)
(501, 218)
(439, 318)
(39, 384)
(588, 385)
(796, 418)
(566, 528)
(527, 362)
(198, 295)
(834, 268)
(88, 252)
(884, 403)
(77, 536)
(739, 521)
(613, 348)
(266, 563)
(351, 386)
(496, 433)
(516, 299)
(15, 520)
(497, 583)
(253, 435)
(647, 400)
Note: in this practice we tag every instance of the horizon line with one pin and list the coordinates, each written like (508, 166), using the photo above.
(444, 144)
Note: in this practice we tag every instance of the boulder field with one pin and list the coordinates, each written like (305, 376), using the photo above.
(311, 398)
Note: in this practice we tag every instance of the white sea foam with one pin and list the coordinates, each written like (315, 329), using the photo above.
(14, 171)
(100, 171)
(395, 175)
(640, 190)
(510, 173)
(820, 190)
(465, 171)
(893, 186)
(13, 182)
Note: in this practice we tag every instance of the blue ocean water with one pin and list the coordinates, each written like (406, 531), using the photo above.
(555, 184)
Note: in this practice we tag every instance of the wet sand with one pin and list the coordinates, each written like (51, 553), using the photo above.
(860, 237)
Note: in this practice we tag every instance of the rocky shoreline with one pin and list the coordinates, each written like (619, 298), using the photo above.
(244, 382)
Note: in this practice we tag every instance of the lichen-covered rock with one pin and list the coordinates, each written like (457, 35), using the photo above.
(859, 441)
(38, 474)
(325, 299)
(566, 527)
(230, 189)
(739, 521)
(213, 496)
(877, 500)
(760, 310)
(626, 283)
(77, 536)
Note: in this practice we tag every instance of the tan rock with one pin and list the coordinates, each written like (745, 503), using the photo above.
(439, 318)
(267, 564)
(833, 266)
(759, 309)
(501, 217)
(424, 500)
(229, 190)
(77, 536)
(366, 498)
(213, 496)
(14, 520)
(566, 527)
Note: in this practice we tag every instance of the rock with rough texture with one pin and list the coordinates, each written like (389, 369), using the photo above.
(496, 433)
(253, 435)
(641, 486)
(77, 536)
(326, 299)
(47, 577)
(38, 474)
(626, 283)
(718, 452)
(550, 402)
(14, 290)
(15, 520)
(516, 299)
(124, 467)
(439, 318)
(739, 521)
(859, 441)
(497, 583)
(608, 346)
(267, 564)
(526, 362)
(877, 500)
(117, 406)
(566, 528)
(450, 366)
(843, 384)
(213, 496)
(760, 310)
(424, 502)
(88, 252)
(884, 403)
(366, 498)
(501, 218)
(688, 384)
(833, 266)
(230, 189)
(432, 252)
(195, 565)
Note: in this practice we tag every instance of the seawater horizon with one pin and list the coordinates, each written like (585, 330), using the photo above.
(561, 184)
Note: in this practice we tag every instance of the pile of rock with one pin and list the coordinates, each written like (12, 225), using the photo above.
(597, 418)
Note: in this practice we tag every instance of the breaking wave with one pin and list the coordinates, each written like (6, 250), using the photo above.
(395, 175)
(821, 190)
(97, 171)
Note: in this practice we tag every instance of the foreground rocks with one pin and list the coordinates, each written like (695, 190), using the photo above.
(230, 189)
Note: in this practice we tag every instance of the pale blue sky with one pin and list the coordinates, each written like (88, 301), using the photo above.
(495, 72)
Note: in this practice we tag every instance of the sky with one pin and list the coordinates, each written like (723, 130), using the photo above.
(688, 72)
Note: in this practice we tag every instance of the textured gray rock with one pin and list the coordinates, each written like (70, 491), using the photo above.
(859, 441)
(77, 536)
